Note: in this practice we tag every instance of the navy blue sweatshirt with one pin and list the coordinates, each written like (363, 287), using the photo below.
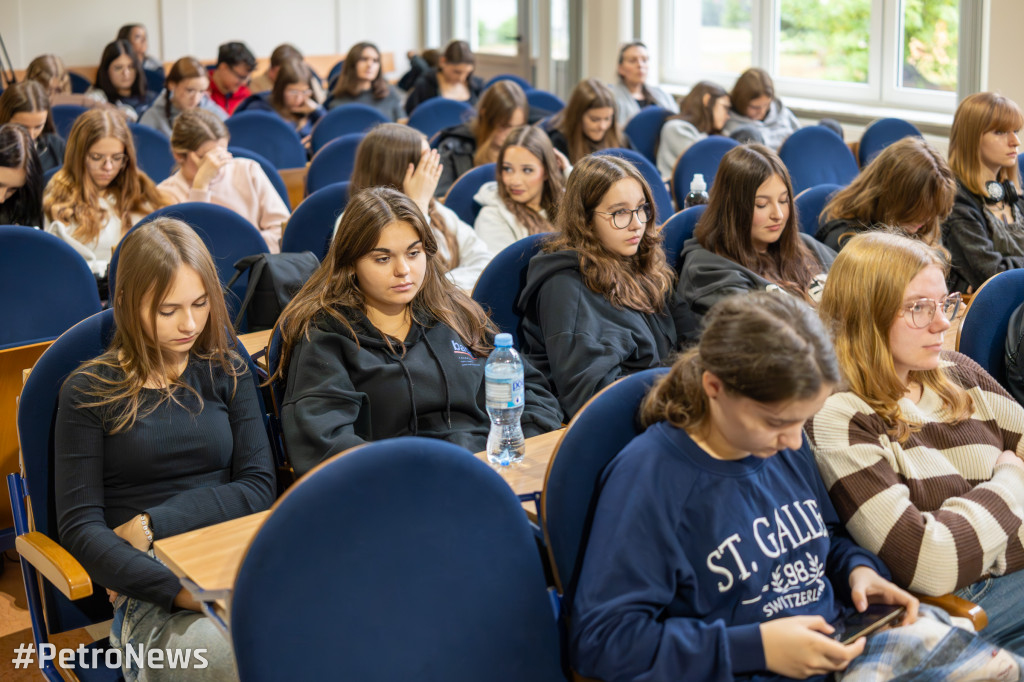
(689, 554)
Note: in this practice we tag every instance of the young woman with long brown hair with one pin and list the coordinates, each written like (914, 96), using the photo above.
(362, 82)
(985, 231)
(120, 80)
(99, 192)
(380, 344)
(26, 104)
(704, 111)
(160, 435)
(748, 239)
(755, 108)
(908, 186)
(588, 122)
(599, 300)
(524, 200)
(452, 79)
(185, 89)
(397, 156)
(21, 178)
(921, 450)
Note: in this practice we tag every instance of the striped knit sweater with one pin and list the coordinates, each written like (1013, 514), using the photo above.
(935, 509)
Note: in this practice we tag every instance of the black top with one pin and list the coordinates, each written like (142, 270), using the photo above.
(980, 244)
(457, 147)
(427, 87)
(342, 391)
(50, 147)
(831, 233)
(186, 465)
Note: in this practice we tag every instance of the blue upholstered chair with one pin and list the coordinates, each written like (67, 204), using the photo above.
(155, 79)
(815, 156)
(547, 102)
(702, 157)
(153, 151)
(880, 134)
(40, 307)
(269, 169)
(662, 200)
(602, 427)
(982, 334)
(79, 83)
(348, 118)
(334, 162)
(64, 116)
(518, 80)
(267, 134)
(312, 223)
(438, 113)
(460, 194)
(644, 129)
(448, 541)
(810, 203)
(677, 230)
(499, 285)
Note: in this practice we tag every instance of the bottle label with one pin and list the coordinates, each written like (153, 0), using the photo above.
(504, 393)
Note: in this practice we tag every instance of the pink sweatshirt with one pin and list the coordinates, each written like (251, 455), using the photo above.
(242, 186)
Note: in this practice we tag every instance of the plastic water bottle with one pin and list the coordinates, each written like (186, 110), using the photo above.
(503, 388)
(698, 192)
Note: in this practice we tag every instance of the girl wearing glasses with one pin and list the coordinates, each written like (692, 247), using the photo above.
(747, 239)
(985, 231)
(291, 98)
(921, 452)
(207, 172)
(121, 81)
(186, 89)
(99, 192)
(599, 299)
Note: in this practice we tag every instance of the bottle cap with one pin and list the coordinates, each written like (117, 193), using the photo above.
(698, 184)
(503, 341)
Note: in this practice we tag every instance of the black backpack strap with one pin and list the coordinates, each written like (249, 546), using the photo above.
(254, 264)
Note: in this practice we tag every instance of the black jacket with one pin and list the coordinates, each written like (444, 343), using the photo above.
(979, 245)
(51, 151)
(457, 147)
(341, 392)
(830, 233)
(580, 341)
(426, 87)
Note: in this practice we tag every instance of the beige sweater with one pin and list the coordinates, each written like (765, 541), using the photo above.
(935, 509)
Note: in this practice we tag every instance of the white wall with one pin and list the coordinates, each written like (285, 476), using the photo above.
(77, 30)
(1004, 60)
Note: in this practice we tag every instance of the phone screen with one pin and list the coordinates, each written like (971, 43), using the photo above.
(876, 617)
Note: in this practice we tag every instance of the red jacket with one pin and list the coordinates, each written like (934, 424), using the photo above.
(230, 101)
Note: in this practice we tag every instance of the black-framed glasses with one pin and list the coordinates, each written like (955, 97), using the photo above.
(244, 78)
(922, 311)
(622, 218)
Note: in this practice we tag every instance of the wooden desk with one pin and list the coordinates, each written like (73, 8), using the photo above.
(211, 556)
(254, 342)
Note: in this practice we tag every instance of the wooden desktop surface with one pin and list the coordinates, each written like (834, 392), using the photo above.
(211, 556)
(254, 342)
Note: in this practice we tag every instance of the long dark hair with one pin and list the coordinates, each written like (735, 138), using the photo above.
(25, 206)
(348, 83)
(111, 52)
(589, 94)
(333, 288)
(535, 141)
(694, 110)
(27, 96)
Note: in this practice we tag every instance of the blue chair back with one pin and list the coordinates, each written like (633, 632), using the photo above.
(268, 169)
(450, 538)
(518, 80)
(503, 279)
(982, 334)
(602, 428)
(153, 150)
(438, 113)
(644, 129)
(1020, 165)
(332, 75)
(880, 134)
(155, 79)
(312, 224)
(810, 203)
(348, 118)
(79, 83)
(815, 156)
(228, 236)
(267, 134)
(662, 200)
(40, 308)
(677, 230)
(64, 117)
(702, 157)
(334, 162)
(547, 103)
(460, 194)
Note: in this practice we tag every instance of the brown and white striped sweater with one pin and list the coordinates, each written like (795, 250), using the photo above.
(935, 509)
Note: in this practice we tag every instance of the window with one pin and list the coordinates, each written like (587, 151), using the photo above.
(895, 52)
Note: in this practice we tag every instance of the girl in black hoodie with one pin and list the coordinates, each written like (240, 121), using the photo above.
(380, 344)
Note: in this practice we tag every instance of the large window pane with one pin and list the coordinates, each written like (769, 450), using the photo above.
(723, 40)
(495, 26)
(824, 39)
(930, 42)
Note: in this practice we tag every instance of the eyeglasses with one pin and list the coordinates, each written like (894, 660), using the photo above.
(304, 93)
(622, 218)
(101, 160)
(240, 76)
(922, 311)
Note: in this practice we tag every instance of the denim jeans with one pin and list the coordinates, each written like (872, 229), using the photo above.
(1003, 600)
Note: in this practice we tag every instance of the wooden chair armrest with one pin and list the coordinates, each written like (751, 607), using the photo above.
(55, 563)
(960, 608)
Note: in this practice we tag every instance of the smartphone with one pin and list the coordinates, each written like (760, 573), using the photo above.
(861, 624)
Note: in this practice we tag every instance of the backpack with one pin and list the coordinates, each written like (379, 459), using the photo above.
(1014, 361)
(274, 278)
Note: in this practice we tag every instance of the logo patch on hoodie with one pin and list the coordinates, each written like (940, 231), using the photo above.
(466, 358)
